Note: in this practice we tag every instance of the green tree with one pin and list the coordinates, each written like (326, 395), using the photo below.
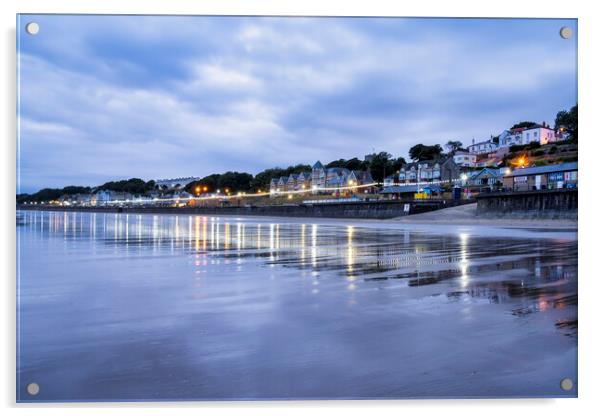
(351, 164)
(71, 190)
(422, 152)
(523, 124)
(397, 164)
(567, 120)
(21, 198)
(380, 166)
(262, 179)
(340, 163)
(135, 186)
(453, 145)
(231, 181)
(46, 194)
(356, 164)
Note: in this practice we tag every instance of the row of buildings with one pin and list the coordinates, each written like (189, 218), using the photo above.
(329, 180)
(322, 179)
(108, 197)
(431, 172)
(444, 170)
(171, 189)
(559, 176)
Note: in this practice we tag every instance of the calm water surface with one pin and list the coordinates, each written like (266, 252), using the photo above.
(165, 307)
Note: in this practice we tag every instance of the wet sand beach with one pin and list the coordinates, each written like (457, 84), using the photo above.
(164, 307)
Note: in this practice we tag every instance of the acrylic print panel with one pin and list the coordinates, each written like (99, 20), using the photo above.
(254, 208)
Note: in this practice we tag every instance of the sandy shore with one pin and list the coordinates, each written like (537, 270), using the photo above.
(467, 215)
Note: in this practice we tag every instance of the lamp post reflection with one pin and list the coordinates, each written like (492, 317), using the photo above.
(350, 254)
(197, 232)
(302, 244)
(227, 236)
(314, 243)
(463, 260)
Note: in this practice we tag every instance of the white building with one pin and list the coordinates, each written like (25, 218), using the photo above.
(483, 147)
(541, 133)
(465, 159)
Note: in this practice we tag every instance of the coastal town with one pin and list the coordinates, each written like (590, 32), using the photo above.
(528, 156)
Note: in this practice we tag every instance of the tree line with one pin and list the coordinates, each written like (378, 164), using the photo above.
(134, 186)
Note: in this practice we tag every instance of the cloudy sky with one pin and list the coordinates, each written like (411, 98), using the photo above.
(111, 97)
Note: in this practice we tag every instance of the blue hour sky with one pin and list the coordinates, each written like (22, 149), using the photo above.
(113, 97)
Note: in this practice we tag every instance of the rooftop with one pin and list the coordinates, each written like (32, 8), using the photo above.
(537, 170)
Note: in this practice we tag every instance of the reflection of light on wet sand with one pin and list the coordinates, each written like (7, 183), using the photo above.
(302, 244)
(127, 227)
(350, 254)
(542, 303)
(244, 233)
(189, 231)
(271, 236)
(204, 233)
(155, 229)
(227, 236)
(176, 230)
(314, 243)
(197, 233)
(463, 260)
(272, 243)
(258, 242)
(217, 236)
(139, 227)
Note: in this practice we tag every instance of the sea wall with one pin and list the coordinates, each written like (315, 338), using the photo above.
(553, 203)
(363, 210)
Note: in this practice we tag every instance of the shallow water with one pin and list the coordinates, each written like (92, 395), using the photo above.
(166, 307)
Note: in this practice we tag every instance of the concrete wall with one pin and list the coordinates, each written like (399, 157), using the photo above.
(555, 203)
(365, 210)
